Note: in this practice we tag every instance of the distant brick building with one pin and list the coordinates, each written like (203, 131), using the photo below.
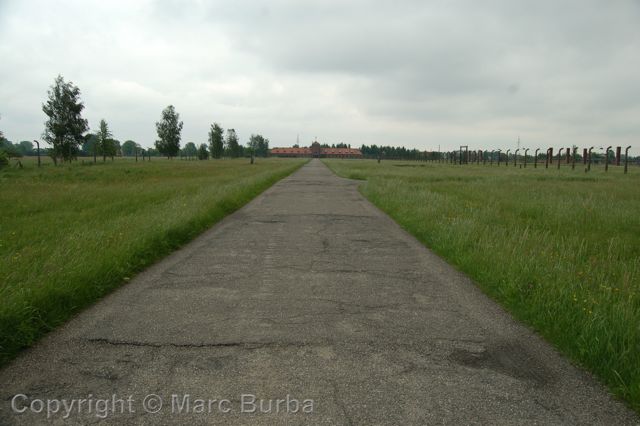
(316, 151)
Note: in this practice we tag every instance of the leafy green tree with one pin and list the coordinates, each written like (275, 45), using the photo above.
(65, 126)
(9, 149)
(169, 129)
(129, 148)
(190, 150)
(25, 148)
(233, 147)
(152, 152)
(90, 145)
(259, 144)
(116, 149)
(216, 140)
(104, 142)
(203, 152)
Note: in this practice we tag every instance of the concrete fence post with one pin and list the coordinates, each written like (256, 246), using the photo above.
(560, 157)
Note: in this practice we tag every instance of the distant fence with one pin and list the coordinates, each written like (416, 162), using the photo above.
(565, 157)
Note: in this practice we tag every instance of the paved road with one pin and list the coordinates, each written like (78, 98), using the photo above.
(308, 291)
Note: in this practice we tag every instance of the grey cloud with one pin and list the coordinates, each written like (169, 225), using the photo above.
(429, 72)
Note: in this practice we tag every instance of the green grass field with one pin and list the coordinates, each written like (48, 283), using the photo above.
(559, 249)
(70, 234)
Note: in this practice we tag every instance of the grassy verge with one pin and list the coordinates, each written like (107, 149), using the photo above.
(70, 234)
(559, 249)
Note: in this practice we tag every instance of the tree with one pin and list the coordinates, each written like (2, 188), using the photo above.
(10, 150)
(129, 148)
(65, 126)
(89, 146)
(233, 147)
(203, 152)
(25, 147)
(190, 150)
(216, 140)
(116, 149)
(259, 144)
(103, 140)
(169, 129)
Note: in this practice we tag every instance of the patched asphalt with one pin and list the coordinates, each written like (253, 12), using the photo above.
(308, 291)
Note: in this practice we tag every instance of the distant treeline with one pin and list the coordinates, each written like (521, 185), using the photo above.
(67, 135)
(392, 152)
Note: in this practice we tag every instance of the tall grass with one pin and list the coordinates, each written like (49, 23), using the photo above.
(559, 249)
(70, 234)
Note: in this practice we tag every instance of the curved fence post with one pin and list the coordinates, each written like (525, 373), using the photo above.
(546, 163)
(560, 157)
(606, 158)
(38, 145)
(626, 159)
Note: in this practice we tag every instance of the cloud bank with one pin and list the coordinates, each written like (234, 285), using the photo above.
(422, 74)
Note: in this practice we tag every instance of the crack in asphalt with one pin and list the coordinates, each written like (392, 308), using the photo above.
(242, 345)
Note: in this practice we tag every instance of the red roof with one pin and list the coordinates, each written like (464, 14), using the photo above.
(325, 151)
(291, 151)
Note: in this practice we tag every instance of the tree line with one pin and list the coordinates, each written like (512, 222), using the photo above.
(391, 152)
(67, 134)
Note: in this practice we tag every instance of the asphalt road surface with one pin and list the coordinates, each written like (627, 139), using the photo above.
(308, 293)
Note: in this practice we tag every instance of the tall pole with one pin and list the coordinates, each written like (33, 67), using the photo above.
(506, 160)
(589, 161)
(546, 163)
(626, 159)
(515, 156)
(575, 153)
(525, 157)
(535, 160)
(38, 145)
(606, 159)
(559, 157)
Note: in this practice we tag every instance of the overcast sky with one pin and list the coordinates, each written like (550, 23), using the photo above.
(413, 73)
